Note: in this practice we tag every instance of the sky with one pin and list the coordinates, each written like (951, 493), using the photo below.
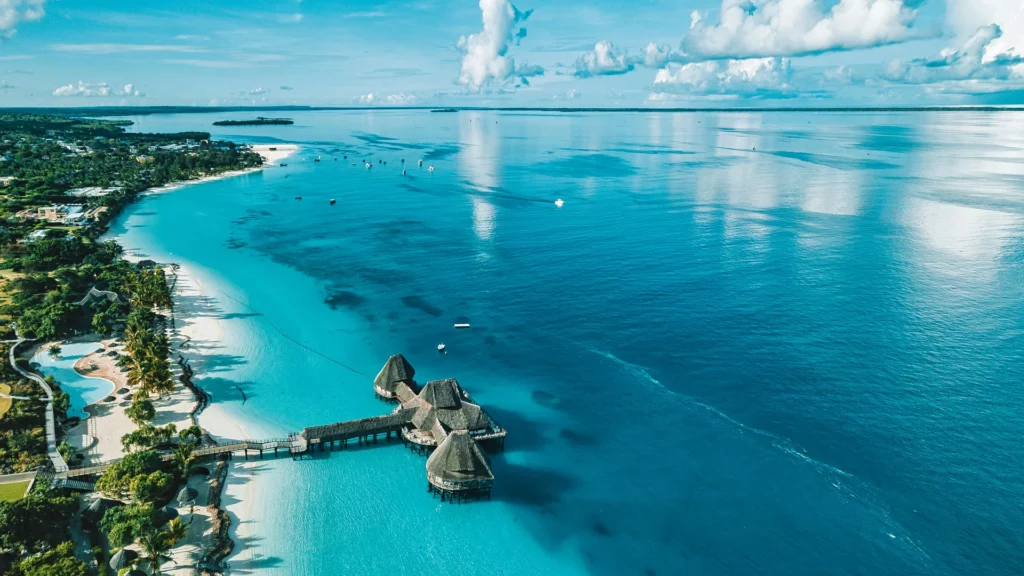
(535, 53)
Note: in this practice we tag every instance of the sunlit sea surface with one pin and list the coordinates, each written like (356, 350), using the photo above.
(748, 343)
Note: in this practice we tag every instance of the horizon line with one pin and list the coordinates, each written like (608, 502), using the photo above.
(170, 109)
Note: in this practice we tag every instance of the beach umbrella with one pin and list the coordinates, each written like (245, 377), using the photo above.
(123, 559)
(187, 495)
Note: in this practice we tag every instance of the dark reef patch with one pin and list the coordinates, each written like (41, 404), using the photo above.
(418, 303)
(343, 299)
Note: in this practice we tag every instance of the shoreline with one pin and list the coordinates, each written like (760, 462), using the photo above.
(270, 158)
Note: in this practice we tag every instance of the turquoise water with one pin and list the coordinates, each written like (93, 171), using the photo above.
(81, 390)
(746, 344)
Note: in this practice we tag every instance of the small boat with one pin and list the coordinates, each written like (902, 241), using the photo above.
(461, 325)
(368, 165)
(421, 163)
(559, 202)
(333, 201)
(441, 347)
(317, 159)
(298, 197)
(403, 172)
(283, 164)
(431, 169)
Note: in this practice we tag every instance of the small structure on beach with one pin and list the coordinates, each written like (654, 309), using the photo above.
(459, 468)
(396, 371)
(96, 295)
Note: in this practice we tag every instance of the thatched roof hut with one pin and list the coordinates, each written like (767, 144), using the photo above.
(459, 464)
(442, 393)
(123, 559)
(396, 371)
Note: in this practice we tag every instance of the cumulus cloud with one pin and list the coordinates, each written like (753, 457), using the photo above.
(13, 12)
(399, 99)
(484, 54)
(604, 60)
(974, 61)
(569, 95)
(286, 88)
(258, 91)
(760, 28)
(753, 77)
(88, 90)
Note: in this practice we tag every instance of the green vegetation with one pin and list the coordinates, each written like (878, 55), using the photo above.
(48, 156)
(51, 257)
(12, 491)
(36, 522)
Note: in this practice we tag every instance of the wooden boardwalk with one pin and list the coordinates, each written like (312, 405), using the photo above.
(59, 464)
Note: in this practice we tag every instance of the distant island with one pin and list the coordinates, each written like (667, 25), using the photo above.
(259, 121)
(444, 110)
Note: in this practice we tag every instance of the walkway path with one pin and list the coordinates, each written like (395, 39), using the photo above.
(51, 430)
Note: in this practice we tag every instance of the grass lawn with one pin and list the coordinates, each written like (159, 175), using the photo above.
(13, 491)
(5, 403)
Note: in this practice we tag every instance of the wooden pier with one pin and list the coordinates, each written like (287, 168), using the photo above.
(439, 416)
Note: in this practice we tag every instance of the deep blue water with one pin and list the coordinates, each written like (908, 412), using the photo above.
(771, 343)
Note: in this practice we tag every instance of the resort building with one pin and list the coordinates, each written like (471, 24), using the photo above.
(459, 467)
(396, 370)
(92, 191)
(63, 213)
(6, 181)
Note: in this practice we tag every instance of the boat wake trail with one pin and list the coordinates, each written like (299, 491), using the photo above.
(289, 338)
(840, 480)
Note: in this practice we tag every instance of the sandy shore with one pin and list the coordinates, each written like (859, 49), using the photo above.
(270, 158)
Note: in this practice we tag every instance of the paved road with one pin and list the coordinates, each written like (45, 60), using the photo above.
(51, 430)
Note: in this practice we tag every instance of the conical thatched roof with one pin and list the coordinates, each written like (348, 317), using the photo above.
(459, 461)
(396, 369)
(186, 495)
(442, 393)
(123, 559)
(424, 418)
(466, 417)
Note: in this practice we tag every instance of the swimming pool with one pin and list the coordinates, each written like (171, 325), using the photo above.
(83, 390)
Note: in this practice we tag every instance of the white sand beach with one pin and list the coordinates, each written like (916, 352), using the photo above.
(274, 153)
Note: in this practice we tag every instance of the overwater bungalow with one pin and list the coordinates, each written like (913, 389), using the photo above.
(459, 468)
(396, 370)
(441, 408)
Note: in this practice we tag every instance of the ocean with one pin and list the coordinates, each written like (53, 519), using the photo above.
(747, 343)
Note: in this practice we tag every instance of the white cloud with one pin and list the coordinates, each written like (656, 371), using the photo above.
(484, 59)
(399, 99)
(974, 61)
(759, 28)
(286, 88)
(12, 12)
(965, 17)
(258, 91)
(657, 56)
(83, 89)
(99, 89)
(290, 18)
(569, 95)
(604, 60)
(765, 77)
(118, 48)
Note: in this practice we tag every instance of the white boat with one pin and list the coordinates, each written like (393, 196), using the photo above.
(559, 202)
(440, 347)
(462, 325)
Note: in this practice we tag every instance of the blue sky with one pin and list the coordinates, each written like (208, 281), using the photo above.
(566, 53)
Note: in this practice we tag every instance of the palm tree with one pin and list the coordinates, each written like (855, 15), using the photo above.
(54, 351)
(155, 546)
(184, 459)
(176, 531)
